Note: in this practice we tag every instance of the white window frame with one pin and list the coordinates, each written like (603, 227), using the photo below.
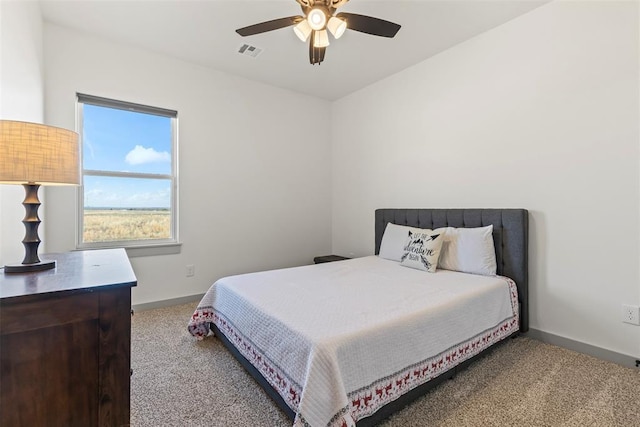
(81, 100)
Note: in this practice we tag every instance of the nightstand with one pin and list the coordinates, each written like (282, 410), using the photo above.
(328, 258)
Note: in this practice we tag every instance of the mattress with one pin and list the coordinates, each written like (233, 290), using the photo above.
(339, 340)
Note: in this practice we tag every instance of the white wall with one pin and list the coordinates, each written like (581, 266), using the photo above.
(539, 113)
(254, 190)
(21, 98)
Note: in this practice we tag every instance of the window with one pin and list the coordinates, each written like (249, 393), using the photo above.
(129, 171)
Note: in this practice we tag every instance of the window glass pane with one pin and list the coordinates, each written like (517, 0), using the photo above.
(125, 141)
(117, 209)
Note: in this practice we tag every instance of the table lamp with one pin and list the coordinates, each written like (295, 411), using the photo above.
(32, 155)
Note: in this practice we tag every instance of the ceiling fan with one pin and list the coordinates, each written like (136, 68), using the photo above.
(320, 16)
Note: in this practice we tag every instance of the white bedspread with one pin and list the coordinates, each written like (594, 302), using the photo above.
(339, 340)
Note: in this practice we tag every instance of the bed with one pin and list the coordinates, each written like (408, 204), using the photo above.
(350, 342)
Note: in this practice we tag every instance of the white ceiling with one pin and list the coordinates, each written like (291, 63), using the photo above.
(203, 32)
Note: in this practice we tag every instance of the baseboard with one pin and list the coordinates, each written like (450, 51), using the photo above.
(167, 302)
(580, 347)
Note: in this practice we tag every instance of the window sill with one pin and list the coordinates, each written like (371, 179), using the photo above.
(153, 250)
(145, 250)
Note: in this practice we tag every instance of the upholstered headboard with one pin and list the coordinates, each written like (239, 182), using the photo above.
(510, 238)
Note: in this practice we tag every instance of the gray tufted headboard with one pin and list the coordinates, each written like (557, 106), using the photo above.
(510, 238)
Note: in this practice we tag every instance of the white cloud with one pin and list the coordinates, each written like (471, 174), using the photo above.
(89, 145)
(107, 198)
(159, 198)
(140, 155)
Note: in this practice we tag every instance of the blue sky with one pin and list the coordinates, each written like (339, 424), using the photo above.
(126, 141)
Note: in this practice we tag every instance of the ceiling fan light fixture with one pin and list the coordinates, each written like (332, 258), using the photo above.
(317, 19)
(321, 39)
(337, 26)
(302, 30)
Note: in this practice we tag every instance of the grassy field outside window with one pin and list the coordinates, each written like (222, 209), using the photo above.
(108, 225)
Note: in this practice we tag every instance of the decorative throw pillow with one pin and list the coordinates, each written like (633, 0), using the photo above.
(422, 249)
(394, 240)
(469, 250)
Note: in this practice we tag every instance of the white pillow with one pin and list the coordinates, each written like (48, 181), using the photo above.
(394, 240)
(422, 249)
(469, 250)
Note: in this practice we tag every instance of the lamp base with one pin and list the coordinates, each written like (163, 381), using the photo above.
(29, 268)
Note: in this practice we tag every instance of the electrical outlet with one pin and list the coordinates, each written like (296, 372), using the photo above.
(191, 270)
(631, 314)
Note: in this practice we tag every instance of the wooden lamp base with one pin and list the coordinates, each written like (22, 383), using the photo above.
(31, 240)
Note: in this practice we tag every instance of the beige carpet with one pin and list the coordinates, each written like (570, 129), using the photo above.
(179, 381)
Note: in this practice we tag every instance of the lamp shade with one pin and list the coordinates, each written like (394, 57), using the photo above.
(40, 154)
(321, 39)
(302, 30)
(337, 26)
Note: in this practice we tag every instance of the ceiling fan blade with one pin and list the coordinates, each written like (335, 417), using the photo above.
(316, 54)
(369, 24)
(275, 24)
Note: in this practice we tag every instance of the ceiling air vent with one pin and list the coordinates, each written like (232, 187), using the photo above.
(248, 50)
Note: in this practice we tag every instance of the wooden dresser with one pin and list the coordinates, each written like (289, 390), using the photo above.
(65, 342)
